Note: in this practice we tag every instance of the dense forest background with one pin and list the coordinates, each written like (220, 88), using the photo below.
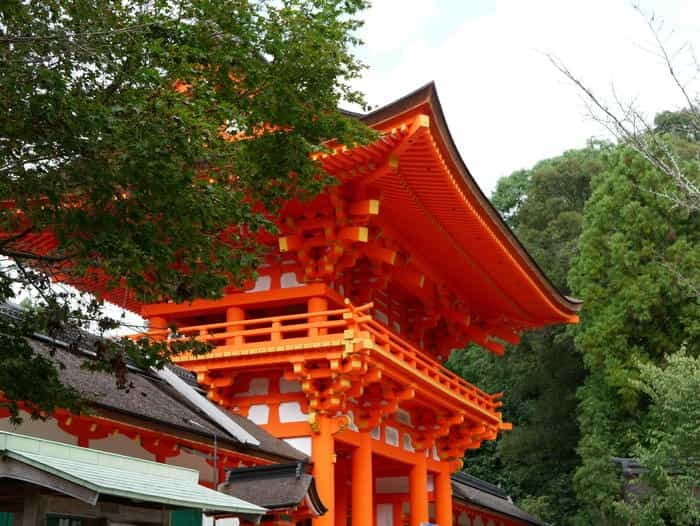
(606, 226)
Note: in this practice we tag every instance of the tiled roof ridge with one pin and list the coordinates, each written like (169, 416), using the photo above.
(270, 446)
(12, 311)
(480, 484)
(296, 469)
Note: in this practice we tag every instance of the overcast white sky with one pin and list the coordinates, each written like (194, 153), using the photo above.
(506, 105)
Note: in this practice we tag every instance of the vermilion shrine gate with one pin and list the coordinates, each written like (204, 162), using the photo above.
(337, 347)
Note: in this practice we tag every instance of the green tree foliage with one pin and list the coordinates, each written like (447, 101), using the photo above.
(511, 193)
(669, 449)
(638, 255)
(132, 175)
(605, 225)
(535, 462)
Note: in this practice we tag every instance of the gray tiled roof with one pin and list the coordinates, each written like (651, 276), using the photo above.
(275, 487)
(147, 397)
(150, 398)
(472, 490)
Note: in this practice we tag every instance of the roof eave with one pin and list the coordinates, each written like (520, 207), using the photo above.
(427, 94)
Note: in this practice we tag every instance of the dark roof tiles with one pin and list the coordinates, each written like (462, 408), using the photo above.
(275, 487)
(150, 398)
(477, 492)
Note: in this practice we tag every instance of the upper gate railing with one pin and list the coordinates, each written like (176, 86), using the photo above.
(258, 333)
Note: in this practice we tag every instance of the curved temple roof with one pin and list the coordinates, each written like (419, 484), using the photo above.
(431, 199)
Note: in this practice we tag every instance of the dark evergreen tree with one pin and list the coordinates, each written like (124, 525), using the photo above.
(639, 257)
(535, 462)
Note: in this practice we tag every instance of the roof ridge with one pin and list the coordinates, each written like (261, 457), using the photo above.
(480, 484)
(31, 445)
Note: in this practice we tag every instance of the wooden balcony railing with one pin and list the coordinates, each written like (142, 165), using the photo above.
(249, 334)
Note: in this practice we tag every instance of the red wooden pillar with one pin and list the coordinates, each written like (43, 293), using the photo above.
(341, 494)
(397, 508)
(323, 455)
(418, 490)
(443, 496)
(362, 482)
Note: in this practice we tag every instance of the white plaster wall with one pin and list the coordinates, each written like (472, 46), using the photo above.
(391, 484)
(291, 412)
(303, 444)
(351, 421)
(385, 515)
(407, 442)
(289, 386)
(403, 416)
(257, 387)
(463, 519)
(261, 284)
(391, 436)
(47, 429)
(289, 280)
(194, 460)
(123, 445)
(229, 521)
(259, 413)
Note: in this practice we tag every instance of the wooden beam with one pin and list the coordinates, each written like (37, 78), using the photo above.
(363, 208)
(375, 251)
(409, 277)
(460, 318)
(420, 124)
(290, 243)
(257, 299)
(119, 512)
(354, 233)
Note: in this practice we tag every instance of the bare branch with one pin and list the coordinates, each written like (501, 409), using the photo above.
(624, 120)
(68, 37)
(630, 126)
(16, 237)
(24, 255)
(668, 60)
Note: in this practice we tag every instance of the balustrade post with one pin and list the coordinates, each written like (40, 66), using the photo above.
(235, 314)
(157, 323)
(317, 304)
(276, 334)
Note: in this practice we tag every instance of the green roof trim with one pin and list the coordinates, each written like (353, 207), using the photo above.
(122, 476)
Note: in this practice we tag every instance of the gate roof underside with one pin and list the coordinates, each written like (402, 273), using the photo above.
(431, 204)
